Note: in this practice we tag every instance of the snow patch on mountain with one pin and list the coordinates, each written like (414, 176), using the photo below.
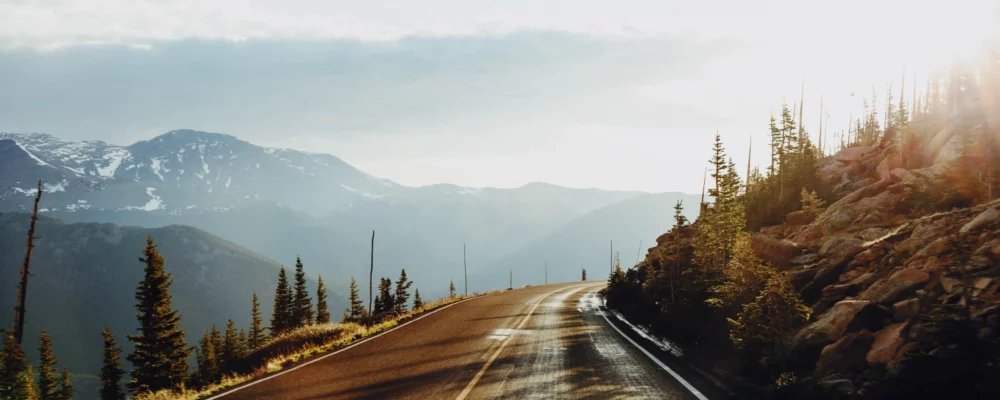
(32, 155)
(113, 158)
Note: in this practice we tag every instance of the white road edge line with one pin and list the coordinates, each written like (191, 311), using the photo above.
(482, 371)
(687, 385)
(336, 352)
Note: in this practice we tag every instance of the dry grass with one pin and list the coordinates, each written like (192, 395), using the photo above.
(294, 347)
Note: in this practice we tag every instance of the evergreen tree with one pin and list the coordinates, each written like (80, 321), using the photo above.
(230, 347)
(322, 315)
(65, 391)
(301, 303)
(402, 296)
(584, 275)
(206, 361)
(159, 360)
(378, 306)
(281, 319)
(385, 292)
(241, 344)
(215, 336)
(417, 301)
(451, 288)
(16, 377)
(357, 309)
(48, 386)
(111, 369)
(256, 338)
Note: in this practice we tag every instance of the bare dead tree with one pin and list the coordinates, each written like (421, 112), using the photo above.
(22, 289)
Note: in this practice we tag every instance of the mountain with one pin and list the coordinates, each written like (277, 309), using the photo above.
(586, 243)
(185, 170)
(284, 203)
(84, 276)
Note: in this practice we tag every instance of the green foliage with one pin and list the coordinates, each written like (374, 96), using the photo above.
(385, 295)
(302, 313)
(402, 295)
(230, 353)
(768, 320)
(417, 301)
(720, 222)
(356, 312)
(16, 378)
(65, 391)
(111, 369)
(281, 318)
(742, 279)
(159, 359)
(451, 288)
(48, 386)
(205, 358)
(322, 314)
(256, 337)
(583, 275)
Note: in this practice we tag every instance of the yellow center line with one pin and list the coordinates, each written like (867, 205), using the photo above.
(482, 371)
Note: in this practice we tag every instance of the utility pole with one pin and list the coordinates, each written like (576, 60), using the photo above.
(465, 267)
(22, 290)
(638, 253)
(371, 275)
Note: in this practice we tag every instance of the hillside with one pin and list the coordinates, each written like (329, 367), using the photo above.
(84, 277)
(585, 243)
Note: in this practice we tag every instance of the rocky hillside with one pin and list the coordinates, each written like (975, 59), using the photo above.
(879, 261)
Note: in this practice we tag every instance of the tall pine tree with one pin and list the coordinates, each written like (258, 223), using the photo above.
(302, 305)
(322, 315)
(402, 296)
(385, 294)
(111, 369)
(281, 319)
(159, 360)
(48, 385)
(451, 288)
(16, 378)
(65, 391)
(215, 337)
(205, 358)
(357, 310)
(256, 337)
(230, 347)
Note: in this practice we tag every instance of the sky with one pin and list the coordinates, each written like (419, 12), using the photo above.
(623, 95)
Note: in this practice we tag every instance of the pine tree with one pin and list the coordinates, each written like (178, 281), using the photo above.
(48, 386)
(357, 309)
(206, 361)
(230, 347)
(16, 377)
(385, 292)
(584, 275)
(402, 296)
(65, 391)
(111, 369)
(451, 289)
(215, 336)
(322, 315)
(256, 338)
(281, 318)
(417, 301)
(378, 307)
(159, 359)
(302, 314)
(241, 345)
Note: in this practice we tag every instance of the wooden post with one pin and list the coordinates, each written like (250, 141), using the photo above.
(22, 289)
(371, 275)
(465, 267)
(638, 253)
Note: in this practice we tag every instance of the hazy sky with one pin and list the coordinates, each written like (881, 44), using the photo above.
(615, 95)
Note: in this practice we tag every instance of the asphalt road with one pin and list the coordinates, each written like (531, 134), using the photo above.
(547, 341)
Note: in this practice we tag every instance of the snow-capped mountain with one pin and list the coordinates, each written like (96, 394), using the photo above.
(186, 171)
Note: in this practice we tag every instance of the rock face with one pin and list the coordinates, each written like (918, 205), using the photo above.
(832, 325)
(985, 218)
(886, 344)
(777, 252)
(845, 356)
(890, 290)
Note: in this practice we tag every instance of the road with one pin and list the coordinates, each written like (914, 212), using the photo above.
(547, 341)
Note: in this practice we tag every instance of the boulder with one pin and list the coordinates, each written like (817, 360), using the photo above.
(804, 259)
(800, 278)
(853, 154)
(871, 234)
(832, 324)
(887, 343)
(898, 284)
(906, 309)
(904, 176)
(840, 250)
(777, 252)
(846, 355)
(985, 218)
